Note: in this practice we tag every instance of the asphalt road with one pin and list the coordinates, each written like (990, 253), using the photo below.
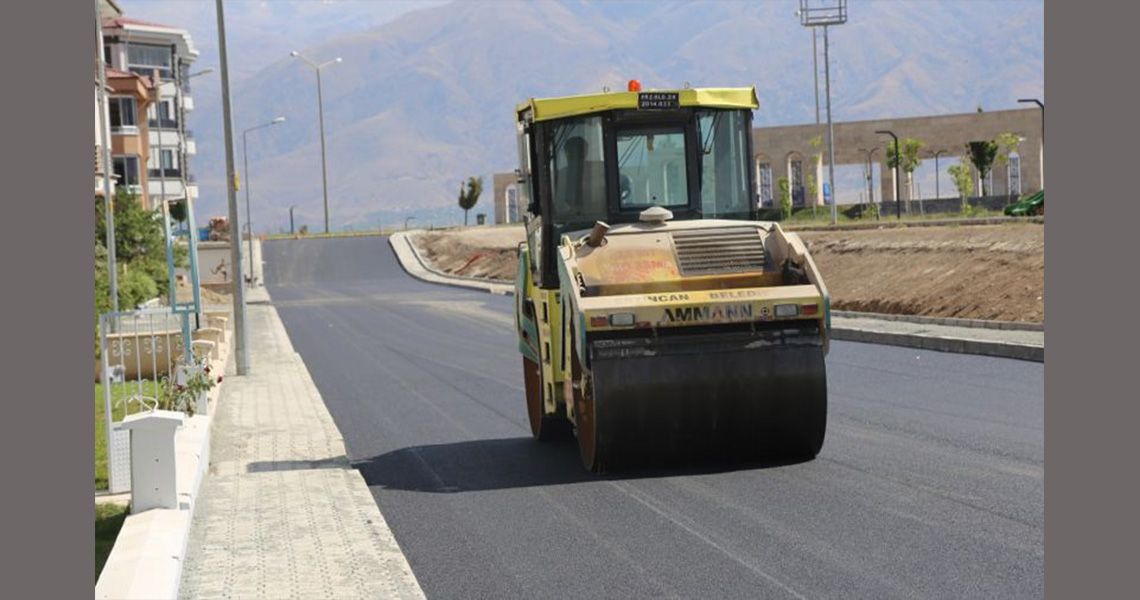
(930, 483)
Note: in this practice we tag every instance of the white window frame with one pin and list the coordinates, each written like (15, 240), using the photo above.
(125, 129)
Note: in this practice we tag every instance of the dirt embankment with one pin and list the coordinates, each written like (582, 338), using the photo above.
(971, 272)
(490, 253)
(967, 271)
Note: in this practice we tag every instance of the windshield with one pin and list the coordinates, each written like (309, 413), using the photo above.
(651, 168)
(724, 163)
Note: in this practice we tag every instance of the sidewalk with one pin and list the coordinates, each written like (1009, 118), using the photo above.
(282, 514)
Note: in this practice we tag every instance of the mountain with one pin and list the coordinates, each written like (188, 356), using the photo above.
(425, 99)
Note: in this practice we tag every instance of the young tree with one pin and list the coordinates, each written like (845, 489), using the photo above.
(963, 179)
(909, 159)
(982, 155)
(785, 197)
(469, 195)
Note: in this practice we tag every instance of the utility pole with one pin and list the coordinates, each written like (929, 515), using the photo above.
(292, 230)
(815, 73)
(833, 12)
(248, 212)
(241, 337)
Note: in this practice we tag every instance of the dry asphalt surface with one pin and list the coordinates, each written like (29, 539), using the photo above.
(930, 483)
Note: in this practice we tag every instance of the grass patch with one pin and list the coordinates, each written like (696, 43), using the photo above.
(119, 392)
(109, 519)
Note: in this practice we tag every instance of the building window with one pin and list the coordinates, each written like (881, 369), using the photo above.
(122, 110)
(1014, 174)
(165, 112)
(168, 165)
(127, 169)
(144, 60)
(765, 184)
(512, 205)
(797, 183)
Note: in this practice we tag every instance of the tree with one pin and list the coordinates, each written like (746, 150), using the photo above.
(470, 195)
(785, 197)
(963, 179)
(140, 253)
(982, 155)
(909, 159)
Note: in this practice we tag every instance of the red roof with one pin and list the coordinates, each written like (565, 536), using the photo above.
(121, 21)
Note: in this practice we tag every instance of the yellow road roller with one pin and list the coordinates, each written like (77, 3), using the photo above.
(657, 316)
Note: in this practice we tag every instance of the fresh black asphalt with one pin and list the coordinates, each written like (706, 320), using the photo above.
(930, 482)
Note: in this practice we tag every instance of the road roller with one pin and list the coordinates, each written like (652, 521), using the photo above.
(657, 316)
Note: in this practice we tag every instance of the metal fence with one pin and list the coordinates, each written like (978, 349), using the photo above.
(140, 353)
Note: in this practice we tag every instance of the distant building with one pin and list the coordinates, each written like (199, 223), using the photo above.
(108, 10)
(162, 55)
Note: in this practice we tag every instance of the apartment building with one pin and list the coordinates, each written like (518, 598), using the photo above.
(160, 55)
(108, 9)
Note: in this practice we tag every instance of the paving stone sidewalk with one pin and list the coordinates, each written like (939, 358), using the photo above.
(282, 514)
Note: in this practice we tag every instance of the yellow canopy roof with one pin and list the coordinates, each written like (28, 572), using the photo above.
(545, 109)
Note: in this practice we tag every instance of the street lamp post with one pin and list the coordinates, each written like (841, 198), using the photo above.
(245, 165)
(1042, 106)
(292, 230)
(937, 174)
(406, 222)
(833, 13)
(898, 187)
(321, 118)
(241, 331)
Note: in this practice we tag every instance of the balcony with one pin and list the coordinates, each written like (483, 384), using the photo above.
(191, 147)
(187, 103)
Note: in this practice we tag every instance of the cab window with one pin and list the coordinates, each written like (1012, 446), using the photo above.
(577, 171)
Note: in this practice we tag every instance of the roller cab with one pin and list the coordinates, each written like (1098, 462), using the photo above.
(656, 316)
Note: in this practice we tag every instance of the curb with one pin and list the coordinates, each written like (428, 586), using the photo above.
(415, 266)
(405, 251)
(948, 321)
(884, 224)
(941, 344)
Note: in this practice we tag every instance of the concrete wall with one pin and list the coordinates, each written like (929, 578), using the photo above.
(778, 146)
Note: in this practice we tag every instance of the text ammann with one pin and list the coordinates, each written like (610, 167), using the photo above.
(708, 314)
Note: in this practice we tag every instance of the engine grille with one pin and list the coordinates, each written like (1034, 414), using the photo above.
(720, 250)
